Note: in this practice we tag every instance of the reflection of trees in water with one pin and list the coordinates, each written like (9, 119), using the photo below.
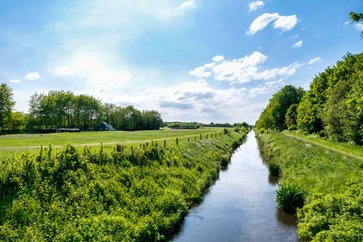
(286, 218)
(273, 180)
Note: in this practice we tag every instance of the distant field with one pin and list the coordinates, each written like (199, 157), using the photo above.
(15, 144)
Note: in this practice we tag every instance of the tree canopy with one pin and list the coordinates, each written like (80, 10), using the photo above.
(332, 107)
(273, 116)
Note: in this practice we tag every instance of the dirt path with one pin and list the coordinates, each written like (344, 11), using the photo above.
(324, 146)
(10, 148)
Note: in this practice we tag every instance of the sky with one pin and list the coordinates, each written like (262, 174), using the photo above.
(191, 60)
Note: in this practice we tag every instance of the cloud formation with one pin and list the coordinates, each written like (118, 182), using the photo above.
(314, 60)
(253, 6)
(243, 70)
(179, 10)
(284, 23)
(31, 76)
(298, 44)
(14, 81)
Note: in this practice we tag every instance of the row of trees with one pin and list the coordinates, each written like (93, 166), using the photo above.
(332, 107)
(64, 109)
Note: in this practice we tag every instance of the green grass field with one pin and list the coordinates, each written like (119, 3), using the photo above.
(332, 178)
(353, 150)
(137, 193)
(17, 144)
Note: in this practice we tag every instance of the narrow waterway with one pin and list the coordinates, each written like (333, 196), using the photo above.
(240, 206)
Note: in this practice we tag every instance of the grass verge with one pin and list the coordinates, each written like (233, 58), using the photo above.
(127, 194)
(333, 183)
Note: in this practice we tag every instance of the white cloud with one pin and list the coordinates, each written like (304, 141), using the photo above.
(284, 23)
(196, 101)
(218, 58)
(314, 60)
(261, 22)
(266, 88)
(255, 5)
(32, 76)
(180, 10)
(243, 70)
(61, 71)
(359, 26)
(15, 81)
(298, 44)
(201, 71)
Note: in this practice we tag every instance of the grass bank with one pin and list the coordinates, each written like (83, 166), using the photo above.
(332, 180)
(133, 193)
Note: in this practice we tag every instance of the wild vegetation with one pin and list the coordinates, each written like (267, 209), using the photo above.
(130, 194)
(331, 182)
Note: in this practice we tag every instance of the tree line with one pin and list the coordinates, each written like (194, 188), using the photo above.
(331, 107)
(64, 109)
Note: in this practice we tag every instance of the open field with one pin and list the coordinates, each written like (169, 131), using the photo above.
(331, 177)
(17, 144)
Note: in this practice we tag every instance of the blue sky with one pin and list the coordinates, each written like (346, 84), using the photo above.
(192, 60)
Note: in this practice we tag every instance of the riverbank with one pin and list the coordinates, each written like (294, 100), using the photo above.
(134, 193)
(333, 182)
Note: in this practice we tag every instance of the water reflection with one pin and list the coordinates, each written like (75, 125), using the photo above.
(273, 180)
(286, 218)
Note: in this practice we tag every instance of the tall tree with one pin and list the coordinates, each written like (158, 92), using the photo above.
(273, 116)
(6, 103)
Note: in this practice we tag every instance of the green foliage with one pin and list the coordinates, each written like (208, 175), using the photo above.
(59, 109)
(225, 159)
(290, 197)
(291, 117)
(331, 212)
(333, 104)
(6, 104)
(273, 116)
(130, 194)
(274, 169)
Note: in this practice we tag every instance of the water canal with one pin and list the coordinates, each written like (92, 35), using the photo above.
(240, 206)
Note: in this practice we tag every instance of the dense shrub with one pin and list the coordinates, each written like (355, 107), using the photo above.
(290, 197)
(274, 169)
(225, 159)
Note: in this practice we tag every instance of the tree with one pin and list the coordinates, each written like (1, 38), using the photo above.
(273, 116)
(151, 120)
(6, 103)
(291, 117)
(357, 17)
(18, 121)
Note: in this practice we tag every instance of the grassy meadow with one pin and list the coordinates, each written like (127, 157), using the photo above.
(331, 179)
(18, 144)
(131, 193)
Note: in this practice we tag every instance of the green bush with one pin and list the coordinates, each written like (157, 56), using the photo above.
(226, 131)
(290, 197)
(274, 169)
(225, 159)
